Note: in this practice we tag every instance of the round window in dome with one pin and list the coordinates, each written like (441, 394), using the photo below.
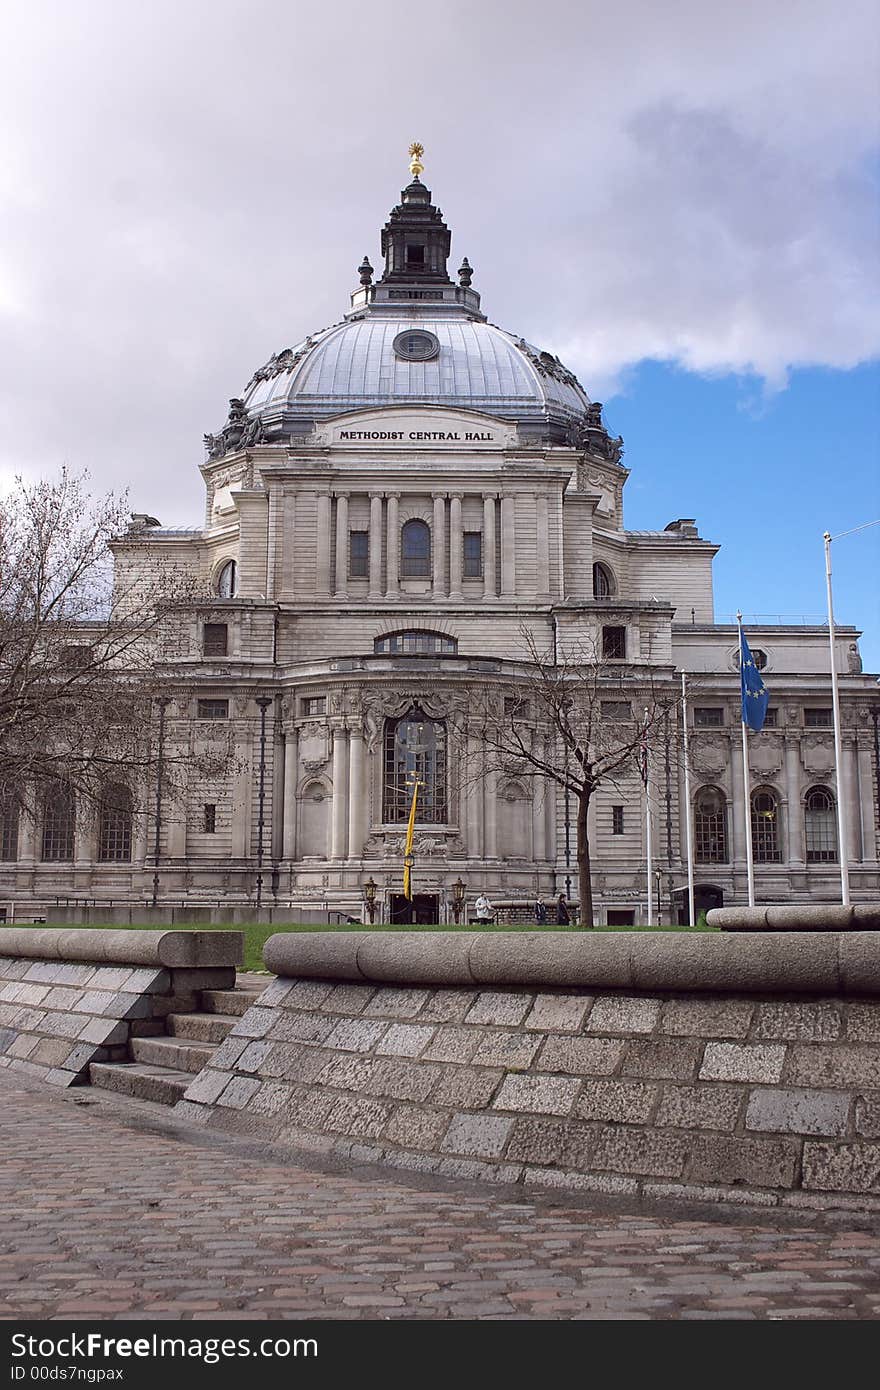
(416, 345)
(226, 580)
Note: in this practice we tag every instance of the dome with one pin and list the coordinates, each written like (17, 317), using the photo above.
(355, 365)
(412, 338)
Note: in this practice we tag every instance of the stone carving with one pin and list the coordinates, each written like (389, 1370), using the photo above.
(283, 361)
(765, 755)
(547, 365)
(709, 755)
(381, 705)
(854, 660)
(233, 432)
(817, 753)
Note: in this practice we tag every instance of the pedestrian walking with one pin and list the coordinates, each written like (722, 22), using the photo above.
(563, 917)
(541, 912)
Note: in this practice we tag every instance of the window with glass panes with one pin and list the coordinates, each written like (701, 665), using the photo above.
(114, 829)
(820, 828)
(59, 824)
(765, 828)
(710, 827)
(415, 751)
(472, 555)
(359, 554)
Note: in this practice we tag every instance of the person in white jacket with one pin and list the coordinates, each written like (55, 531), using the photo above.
(483, 908)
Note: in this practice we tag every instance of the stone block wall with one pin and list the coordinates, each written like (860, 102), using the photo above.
(744, 1097)
(69, 998)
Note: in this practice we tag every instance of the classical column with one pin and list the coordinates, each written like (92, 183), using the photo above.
(866, 799)
(375, 589)
(508, 547)
(490, 792)
(455, 545)
(795, 821)
(274, 542)
(738, 809)
(392, 545)
(356, 817)
(542, 569)
(338, 836)
(438, 546)
(473, 796)
(489, 587)
(550, 794)
(538, 789)
(853, 809)
(291, 761)
(341, 585)
(322, 586)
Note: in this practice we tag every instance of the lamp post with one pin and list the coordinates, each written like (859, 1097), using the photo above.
(458, 895)
(264, 701)
(163, 701)
(370, 898)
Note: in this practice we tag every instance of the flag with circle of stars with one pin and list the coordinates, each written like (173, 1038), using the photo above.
(755, 695)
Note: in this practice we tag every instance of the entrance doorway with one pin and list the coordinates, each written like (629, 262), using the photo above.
(706, 896)
(423, 911)
(621, 917)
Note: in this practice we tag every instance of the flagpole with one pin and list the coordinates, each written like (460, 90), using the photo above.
(687, 801)
(750, 867)
(649, 867)
(842, 829)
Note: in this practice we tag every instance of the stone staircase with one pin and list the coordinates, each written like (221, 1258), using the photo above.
(162, 1066)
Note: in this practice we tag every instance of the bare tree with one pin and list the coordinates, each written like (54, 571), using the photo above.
(597, 723)
(77, 647)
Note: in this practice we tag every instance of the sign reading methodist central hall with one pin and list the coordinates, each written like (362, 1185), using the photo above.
(408, 428)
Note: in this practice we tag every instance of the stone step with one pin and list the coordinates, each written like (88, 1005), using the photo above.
(230, 1001)
(202, 1028)
(138, 1079)
(175, 1053)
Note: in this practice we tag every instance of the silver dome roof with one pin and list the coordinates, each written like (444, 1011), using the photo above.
(354, 366)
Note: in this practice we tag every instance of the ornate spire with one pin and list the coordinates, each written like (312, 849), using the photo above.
(416, 166)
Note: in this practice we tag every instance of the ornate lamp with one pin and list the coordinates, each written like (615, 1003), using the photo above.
(370, 898)
(458, 892)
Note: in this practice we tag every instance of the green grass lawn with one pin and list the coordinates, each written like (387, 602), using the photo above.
(257, 934)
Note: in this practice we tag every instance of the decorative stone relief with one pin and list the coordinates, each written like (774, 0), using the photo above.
(765, 756)
(709, 754)
(817, 753)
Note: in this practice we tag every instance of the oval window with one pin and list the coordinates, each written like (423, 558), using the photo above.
(415, 345)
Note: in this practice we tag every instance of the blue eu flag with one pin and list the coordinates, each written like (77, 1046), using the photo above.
(755, 696)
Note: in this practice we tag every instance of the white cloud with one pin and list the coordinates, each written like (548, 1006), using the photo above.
(189, 187)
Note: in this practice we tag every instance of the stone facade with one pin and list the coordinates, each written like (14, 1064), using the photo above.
(393, 509)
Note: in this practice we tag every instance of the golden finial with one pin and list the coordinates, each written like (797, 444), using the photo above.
(416, 166)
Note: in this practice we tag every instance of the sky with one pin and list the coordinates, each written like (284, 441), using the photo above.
(679, 199)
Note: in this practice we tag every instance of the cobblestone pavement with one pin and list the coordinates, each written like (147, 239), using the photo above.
(110, 1212)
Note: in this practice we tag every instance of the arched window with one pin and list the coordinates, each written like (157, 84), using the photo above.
(603, 584)
(114, 830)
(415, 642)
(415, 550)
(59, 823)
(820, 827)
(765, 827)
(710, 826)
(227, 580)
(9, 813)
(415, 750)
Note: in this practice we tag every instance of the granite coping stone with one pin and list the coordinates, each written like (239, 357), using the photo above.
(120, 947)
(811, 961)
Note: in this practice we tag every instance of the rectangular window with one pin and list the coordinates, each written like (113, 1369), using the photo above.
(209, 819)
(415, 255)
(616, 820)
(515, 708)
(213, 709)
(314, 705)
(620, 710)
(818, 718)
(215, 639)
(472, 555)
(614, 643)
(771, 719)
(708, 716)
(359, 554)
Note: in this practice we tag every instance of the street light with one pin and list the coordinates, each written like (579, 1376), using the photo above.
(264, 701)
(370, 898)
(163, 701)
(458, 894)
